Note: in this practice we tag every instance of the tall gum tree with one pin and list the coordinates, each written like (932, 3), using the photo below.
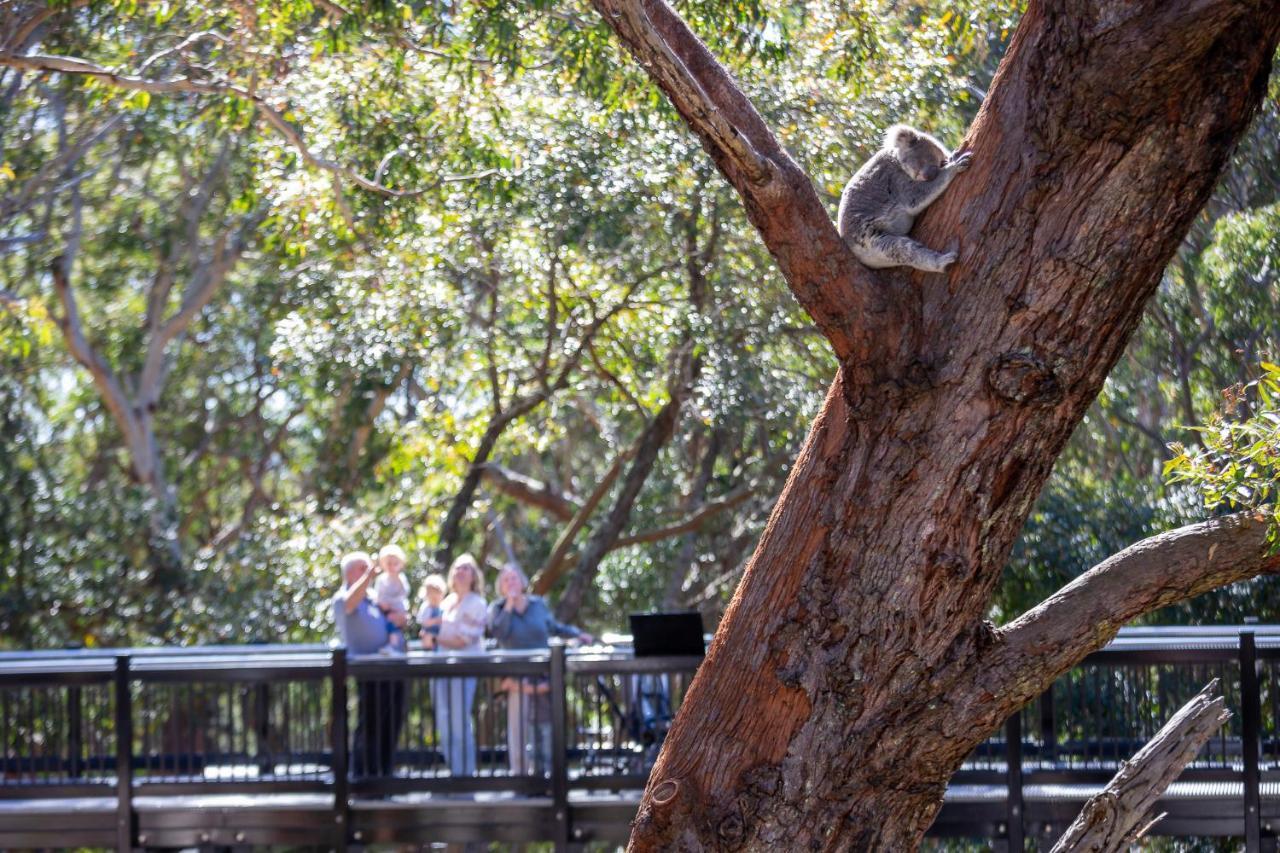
(853, 670)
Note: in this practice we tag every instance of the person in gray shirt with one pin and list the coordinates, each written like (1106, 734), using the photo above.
(521, 621)
(362, 627)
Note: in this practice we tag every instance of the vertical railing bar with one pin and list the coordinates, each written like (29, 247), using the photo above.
(75, 737)
(1048, 729)
(262, 726)
(1013, 780)
(559, 746)
(1250, 714)
(338, 725)
(124, 756)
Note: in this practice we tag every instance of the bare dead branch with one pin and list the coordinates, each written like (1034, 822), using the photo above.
(1115, 817)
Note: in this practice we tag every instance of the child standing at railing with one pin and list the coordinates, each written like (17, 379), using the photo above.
(391, 594)
(430, 615)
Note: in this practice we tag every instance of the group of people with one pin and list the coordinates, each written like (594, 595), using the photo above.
(372, 614)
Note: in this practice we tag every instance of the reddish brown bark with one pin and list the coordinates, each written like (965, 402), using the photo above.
(853, 670)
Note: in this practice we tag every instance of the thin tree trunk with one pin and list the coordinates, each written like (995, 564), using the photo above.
(452, 524)
(697, 496)
(854, 671)
(656, 435)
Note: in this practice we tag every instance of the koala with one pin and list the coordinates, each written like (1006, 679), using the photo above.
(880, 202)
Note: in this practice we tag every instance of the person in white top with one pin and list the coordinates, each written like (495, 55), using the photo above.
(391, 594)
(461, 630)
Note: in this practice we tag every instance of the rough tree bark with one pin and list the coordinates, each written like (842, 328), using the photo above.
(853, 670)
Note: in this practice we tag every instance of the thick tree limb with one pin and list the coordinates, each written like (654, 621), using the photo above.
(687, 93)
(1085, 615)
(780, 199)
(1116, 817)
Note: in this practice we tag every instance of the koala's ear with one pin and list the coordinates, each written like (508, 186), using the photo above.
(900, 136)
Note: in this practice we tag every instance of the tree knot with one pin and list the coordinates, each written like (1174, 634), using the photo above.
(731, 829)
(1023, 377)
(665, 791)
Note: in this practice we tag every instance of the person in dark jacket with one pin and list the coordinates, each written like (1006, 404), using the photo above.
(518, 620)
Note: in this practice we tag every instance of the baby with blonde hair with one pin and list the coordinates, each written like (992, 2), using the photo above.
(391, 594)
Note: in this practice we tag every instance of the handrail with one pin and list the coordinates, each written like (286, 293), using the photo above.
(128, 698)
(1130, 638)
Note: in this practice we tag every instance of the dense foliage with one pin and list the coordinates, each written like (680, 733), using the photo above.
(431, 273)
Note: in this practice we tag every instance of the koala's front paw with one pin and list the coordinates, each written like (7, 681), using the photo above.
(946, 259)
(960, 162)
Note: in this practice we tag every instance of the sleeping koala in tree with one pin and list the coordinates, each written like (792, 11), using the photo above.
(882, 200)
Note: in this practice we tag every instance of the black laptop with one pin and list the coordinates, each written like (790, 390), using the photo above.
(667, 634)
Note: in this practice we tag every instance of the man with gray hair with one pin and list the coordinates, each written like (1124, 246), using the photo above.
(362, 627)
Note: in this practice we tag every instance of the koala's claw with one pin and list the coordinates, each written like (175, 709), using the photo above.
(946, 260)
(960, 162)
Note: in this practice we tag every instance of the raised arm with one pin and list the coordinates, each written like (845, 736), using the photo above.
(359, 590)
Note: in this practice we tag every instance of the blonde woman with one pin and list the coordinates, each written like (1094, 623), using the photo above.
(461, 630)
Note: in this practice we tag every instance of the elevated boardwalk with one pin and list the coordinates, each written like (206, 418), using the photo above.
(297, 745)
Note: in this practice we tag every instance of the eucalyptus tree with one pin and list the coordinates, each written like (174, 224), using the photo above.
(854, 670)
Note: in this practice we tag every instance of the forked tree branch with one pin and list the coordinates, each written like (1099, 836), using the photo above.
(692, 521)
(1159, 571)
(201, 289)
(113, 393)
(186, 85)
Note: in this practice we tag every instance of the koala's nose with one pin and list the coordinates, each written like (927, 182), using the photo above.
(930, 172)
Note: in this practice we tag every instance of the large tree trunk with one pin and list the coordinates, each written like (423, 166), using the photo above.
(853, 671)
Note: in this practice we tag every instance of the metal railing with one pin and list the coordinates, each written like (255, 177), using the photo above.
(555, 745)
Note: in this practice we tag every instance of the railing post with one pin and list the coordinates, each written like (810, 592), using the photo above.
(1250, 723)
(559, 745)
(262, 725)
(124, 756)
(341, 784)
(1013, 780)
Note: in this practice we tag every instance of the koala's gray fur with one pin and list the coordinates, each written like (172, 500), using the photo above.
(882, 200)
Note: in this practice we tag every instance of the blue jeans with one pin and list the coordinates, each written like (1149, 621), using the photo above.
(451, 699)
